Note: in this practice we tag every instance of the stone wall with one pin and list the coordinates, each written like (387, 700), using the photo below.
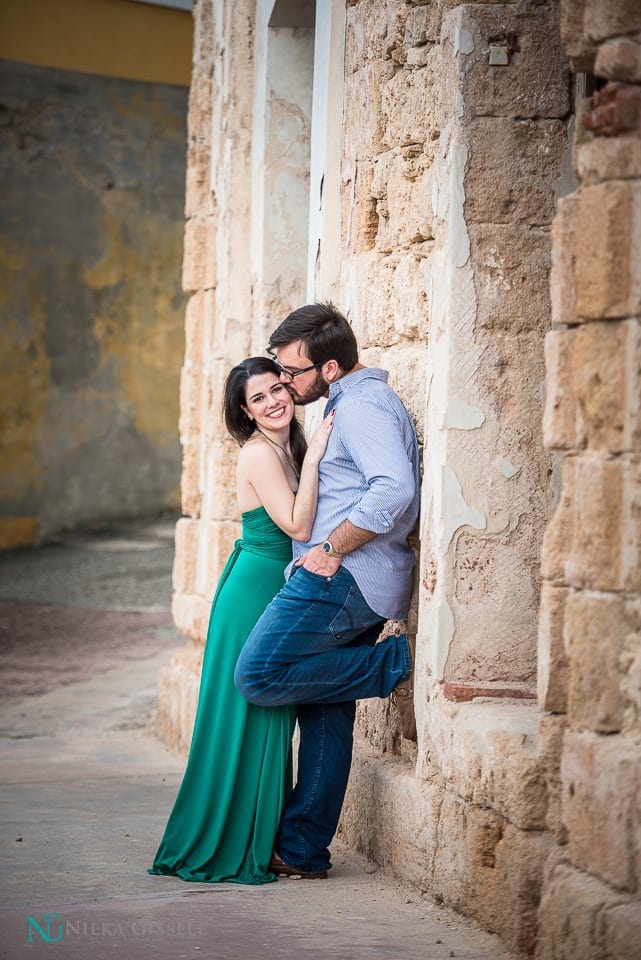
(459, 155)
(218, 331)
(440, 194)
(590, 628)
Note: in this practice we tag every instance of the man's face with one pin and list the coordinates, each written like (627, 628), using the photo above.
(305, 387)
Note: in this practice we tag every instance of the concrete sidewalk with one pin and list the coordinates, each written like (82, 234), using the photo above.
(87, 789)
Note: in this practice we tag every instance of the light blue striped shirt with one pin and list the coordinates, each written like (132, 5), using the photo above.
(369, 475)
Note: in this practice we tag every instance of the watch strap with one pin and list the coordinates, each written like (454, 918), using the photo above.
(329, 550)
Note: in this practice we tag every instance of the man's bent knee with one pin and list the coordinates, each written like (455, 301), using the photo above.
(251, 686)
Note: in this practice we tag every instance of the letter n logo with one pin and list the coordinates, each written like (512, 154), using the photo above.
(44, 931)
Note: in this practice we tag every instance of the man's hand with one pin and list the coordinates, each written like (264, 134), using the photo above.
(317, 561)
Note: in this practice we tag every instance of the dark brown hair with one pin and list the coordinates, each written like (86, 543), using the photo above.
(325, 332)
(236, 420)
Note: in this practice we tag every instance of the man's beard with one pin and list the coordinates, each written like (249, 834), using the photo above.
(316, 390)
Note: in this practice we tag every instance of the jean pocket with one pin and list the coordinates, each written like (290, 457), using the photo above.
(354, 617)
(304, 585)
(317, 576)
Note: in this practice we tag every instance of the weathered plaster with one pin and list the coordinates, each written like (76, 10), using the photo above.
(452, 310)
(280, 163)
(323, 247)
(443, 635)
(456, 512)
(90, 240)
(463, 41)
(463, 416)
(507, 469)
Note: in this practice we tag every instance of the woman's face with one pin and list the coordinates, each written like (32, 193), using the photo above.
(267, 400)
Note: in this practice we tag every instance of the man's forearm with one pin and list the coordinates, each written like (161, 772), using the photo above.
(346, 537)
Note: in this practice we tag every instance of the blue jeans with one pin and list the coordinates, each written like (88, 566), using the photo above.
(314, 646)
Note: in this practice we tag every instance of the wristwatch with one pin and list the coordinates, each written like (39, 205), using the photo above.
(329, 550)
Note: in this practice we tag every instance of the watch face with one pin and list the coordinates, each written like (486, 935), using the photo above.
(327, 546)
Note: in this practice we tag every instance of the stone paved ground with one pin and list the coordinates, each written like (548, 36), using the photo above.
(87, 603)
(85, 629)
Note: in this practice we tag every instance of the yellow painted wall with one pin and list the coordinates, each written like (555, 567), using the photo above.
(92, 172)
(115, 38)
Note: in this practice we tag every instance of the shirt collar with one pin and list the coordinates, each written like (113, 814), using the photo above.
(350, 380)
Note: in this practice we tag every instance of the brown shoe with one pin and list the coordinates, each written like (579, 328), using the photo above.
(281, 869)
(404, 691)
(402, 698)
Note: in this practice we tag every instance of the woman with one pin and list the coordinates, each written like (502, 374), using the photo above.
(238, 774)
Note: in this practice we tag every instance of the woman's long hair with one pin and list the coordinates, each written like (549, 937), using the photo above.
(237, 421)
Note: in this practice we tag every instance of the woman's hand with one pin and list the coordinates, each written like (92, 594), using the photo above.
(318, 441)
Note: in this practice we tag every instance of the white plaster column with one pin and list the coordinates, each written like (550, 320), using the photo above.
(281, 123)
(324, 248)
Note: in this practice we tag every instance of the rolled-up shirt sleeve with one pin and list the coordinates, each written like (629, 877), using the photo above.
(378, 448)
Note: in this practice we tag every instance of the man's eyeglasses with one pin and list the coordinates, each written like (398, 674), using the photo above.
(292, 374)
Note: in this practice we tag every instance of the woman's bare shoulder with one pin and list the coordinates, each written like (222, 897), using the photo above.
(257, 453)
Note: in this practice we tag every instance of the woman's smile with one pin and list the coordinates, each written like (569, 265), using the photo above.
(268, 401)
(277, 414)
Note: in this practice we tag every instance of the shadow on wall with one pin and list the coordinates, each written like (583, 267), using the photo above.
(92, 173)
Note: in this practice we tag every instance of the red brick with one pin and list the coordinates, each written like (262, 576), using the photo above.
(614, 109)
(464, 692)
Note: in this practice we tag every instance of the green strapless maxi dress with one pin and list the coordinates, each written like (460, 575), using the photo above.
(238, 773)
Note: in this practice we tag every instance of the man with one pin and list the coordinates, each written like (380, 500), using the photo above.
(314, 646)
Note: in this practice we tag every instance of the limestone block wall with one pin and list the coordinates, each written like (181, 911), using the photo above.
(218, 332)
(590, 629)
(451, 173)
(456, 129)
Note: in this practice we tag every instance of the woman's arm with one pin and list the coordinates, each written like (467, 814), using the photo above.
(260, 467)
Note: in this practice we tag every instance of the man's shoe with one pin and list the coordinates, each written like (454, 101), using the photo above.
(281, 869)
(402, 697)
(404, 692)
